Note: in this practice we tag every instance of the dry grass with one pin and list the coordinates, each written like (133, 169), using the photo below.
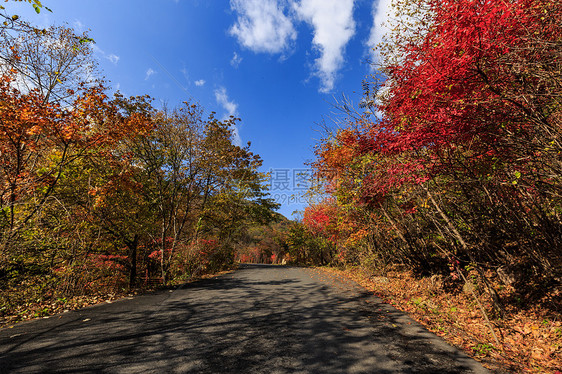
(530, 338)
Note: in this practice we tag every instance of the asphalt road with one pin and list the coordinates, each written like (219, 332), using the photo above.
(259, 319)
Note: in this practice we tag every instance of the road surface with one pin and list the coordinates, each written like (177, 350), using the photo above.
(259, 319)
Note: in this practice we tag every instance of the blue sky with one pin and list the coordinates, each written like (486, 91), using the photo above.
(279, 65)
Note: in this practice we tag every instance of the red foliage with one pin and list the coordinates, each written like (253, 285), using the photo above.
(462, 80)
(321, 219)
(207, 247)
(109, 262)
(27, 126)
(454, 86)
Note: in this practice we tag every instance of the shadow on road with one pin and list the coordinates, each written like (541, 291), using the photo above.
(260, 319)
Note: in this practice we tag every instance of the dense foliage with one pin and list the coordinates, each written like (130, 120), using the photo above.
(463, 167)
(265, 244)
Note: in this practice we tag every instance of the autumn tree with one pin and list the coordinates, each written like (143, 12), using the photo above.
(55, 62)
(38, 141)
(465, 144)
(202, 185)
(104, 190)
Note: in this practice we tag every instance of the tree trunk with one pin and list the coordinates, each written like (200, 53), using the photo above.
(133, 245)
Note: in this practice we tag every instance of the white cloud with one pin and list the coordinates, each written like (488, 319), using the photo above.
(236, 60)
(333, 24)
(222, 98)
(262, 25)
(149, 72)
(200, 83)
(382, 13)
(412, 23)
(231, 109)
(113, 58)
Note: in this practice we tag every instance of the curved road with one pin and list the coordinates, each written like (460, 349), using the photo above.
(258, 319)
